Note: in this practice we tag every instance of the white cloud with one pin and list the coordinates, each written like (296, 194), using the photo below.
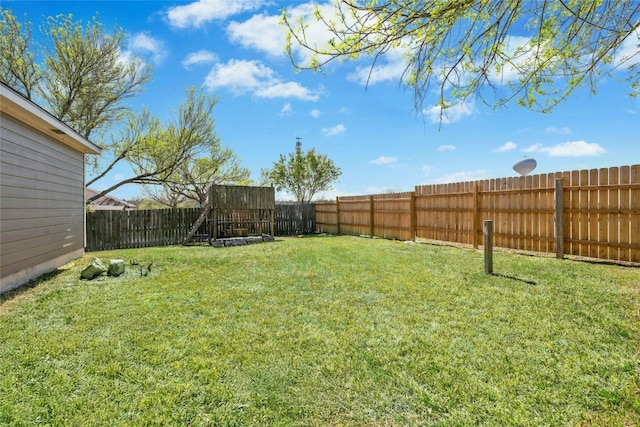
(142, 44)
(569, 149)
(261, 32)
(446, 147)
(461, 176)
(384, 160)
(315, 113)
(388, 67)
(453, 114)
(385, 189)
(200, 12)
(316, 32)
(533, 148)
(576, 149)
(200, 57)
(287, 110)
(428, 170)
(242, 76)
(332, 194)
(628, 54)
(558, 130)
(264, 33)
(518, 52)
(127, 57)
(239, 76)
(507, 146)
(334, 131)
(287, 90)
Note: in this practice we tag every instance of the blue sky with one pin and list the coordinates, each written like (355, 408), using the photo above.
(233, 49)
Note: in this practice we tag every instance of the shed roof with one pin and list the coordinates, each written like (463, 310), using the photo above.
(17, 106)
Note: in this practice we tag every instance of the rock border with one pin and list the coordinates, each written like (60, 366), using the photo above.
(241, 241)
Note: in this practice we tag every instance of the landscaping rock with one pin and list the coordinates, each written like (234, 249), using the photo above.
(235, 241)
(116, 267)
(240, 241)
(93, 270)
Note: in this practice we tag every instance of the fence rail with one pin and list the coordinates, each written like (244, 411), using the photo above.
(597, 213)
(106, 230)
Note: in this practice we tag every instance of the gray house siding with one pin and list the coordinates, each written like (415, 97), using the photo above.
(41, 203)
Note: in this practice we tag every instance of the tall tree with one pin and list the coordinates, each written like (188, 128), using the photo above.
(162, 197)
(158, 152)
(193, 179)
(82, 78)
(86, 81)
(534, 51)
(303, 174)
(18, 67)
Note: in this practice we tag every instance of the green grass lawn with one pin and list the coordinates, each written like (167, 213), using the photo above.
(324, 331)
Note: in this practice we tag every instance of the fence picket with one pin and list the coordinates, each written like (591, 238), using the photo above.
(634, 214)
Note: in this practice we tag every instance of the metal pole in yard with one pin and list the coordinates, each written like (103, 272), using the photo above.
(488, 247)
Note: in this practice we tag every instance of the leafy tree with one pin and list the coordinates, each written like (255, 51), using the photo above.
(83, 79)
(87, 80)
(193, 179)
(534, 51)
(18, 68)
(162, 197)
(160, 153)
(303, 174)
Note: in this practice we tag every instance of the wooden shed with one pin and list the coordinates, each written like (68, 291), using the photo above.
(241, 211)
(42, 198)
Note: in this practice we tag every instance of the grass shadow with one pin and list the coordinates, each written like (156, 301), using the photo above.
(517, 279)
(33, 283)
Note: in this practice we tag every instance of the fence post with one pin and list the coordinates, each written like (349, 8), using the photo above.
(338, 215)
(476, 216)
(213, 221)
(414, 219)
(272, 220)
(488, 246)
(559, 225)
(371, 216)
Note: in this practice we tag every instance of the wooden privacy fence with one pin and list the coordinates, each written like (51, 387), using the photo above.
(383, 215)
(292, 219)
(597, 213)
(241, 210)
(108, 230)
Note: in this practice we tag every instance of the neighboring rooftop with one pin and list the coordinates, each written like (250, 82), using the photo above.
(108, 203)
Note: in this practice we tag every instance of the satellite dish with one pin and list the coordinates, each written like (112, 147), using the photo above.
(523, 167)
